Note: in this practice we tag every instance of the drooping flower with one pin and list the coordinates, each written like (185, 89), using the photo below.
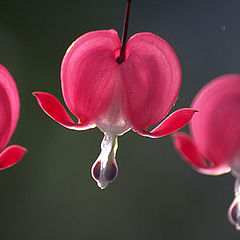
(9, 113)
(118, 87)
(214, 145)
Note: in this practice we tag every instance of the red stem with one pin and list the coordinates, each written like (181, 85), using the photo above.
(121, 57)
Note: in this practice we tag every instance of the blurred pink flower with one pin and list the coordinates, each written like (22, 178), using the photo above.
(9, 112)
(214, 145)
(118, 87)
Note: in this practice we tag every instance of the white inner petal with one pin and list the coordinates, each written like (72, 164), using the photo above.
(107, 171)
(112, 120)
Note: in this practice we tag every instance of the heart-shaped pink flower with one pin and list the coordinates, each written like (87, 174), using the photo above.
(9, 112)
(118, 87)
(213, 146)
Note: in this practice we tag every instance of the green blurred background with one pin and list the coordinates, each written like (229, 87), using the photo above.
(50, 193)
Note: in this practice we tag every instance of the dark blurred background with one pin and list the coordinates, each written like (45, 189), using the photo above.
(50, 193)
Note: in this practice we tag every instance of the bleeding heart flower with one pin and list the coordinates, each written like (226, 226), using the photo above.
(9, 113)
(214, 145)
(118, 87)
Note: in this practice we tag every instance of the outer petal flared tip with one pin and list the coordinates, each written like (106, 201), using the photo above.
(190, 153)
(11, 155)
(188, 150)
(172, 123)
(53, 108)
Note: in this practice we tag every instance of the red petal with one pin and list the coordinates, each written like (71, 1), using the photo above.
(56, 111)
(151, 79)
(216, 129)
(9, 106)
(172, 123)
(190, 153)
(11, 155)
(88, 72)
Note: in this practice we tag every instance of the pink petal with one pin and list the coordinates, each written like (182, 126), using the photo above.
(9, 106)
(216, 129)
(172, 123)
(190, 153)
(11, 155)
(89, 70)
(56, 111)
(151, 79)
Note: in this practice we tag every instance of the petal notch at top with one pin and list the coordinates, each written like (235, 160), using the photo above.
(172, 123)
(52, 107)
(151, 76)
(88, 73)
(11, 155)
(190, 153)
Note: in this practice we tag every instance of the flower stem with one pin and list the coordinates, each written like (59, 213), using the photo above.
(121, 57)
